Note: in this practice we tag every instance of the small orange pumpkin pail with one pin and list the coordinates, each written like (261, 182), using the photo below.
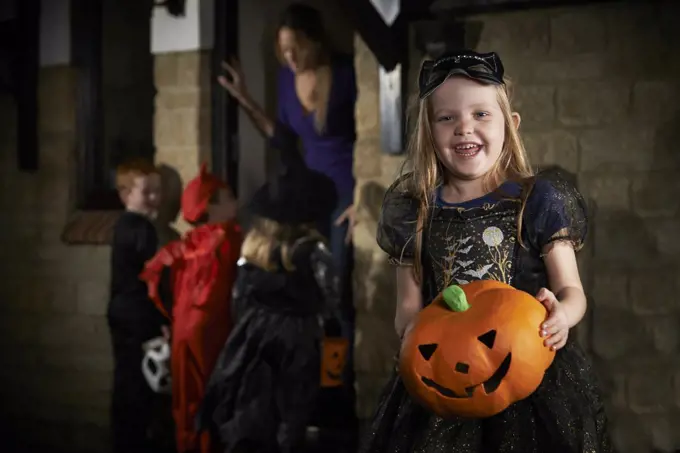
(333, 359)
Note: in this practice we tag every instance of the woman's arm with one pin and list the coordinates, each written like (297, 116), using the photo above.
(257, 115)
(409, 299)
(565, 281)
(237, 88)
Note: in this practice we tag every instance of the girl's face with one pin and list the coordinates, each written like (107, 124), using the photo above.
(223, 206)
(468, 127)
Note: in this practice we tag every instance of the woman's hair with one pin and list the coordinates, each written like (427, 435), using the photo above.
(314, 50)
(427, 172)
(270, 244)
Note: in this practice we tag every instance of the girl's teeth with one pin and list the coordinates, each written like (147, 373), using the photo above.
(467, 149)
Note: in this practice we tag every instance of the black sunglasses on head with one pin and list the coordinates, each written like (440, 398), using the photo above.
(482, 67)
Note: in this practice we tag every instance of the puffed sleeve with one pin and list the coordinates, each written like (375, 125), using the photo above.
(398, 223)
(555, 211)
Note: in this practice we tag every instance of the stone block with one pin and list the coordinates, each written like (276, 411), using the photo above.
(178, 127)
(57, 153)
(592, 103)
(92, 297)
(610, 289)
(365, 63)
(536, 105)
(364, 236)
(193, 69)
(617, 334)
(166, 70)
(61, 297)
(665, 332)
(630, 34)
(554, 147)
(676, 388)
(517, 33)
(558, 69)
(622, 240)
(655, 100)
(575, 31)
(392, 168)
(376, 344)
(367, 161)
(648, 391)
(369, 387)
(65, 360)
(56, 98)
(619, 148)
(654, 194)
(628, 434)
(614, 387)
(609, 192)
(20, 330)
(665, 236)
(8, 117)
(184, 97)
(58, 330)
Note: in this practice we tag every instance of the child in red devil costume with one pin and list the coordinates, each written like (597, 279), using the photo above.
(202, 270)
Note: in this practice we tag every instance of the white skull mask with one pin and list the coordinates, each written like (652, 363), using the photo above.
(156, 364)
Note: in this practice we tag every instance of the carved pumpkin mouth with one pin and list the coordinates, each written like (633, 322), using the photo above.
(490, 385)
(332, 375)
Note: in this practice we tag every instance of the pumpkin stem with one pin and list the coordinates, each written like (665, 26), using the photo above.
(454, 297)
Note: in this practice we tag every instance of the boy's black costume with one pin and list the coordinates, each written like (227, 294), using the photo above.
(132, 320)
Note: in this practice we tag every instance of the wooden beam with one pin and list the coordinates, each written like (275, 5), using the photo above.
(26, 83)
(225, 159)
(380, 37)
(465, 7)
(86, 52)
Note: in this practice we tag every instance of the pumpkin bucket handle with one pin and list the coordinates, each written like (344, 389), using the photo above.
(455, 298)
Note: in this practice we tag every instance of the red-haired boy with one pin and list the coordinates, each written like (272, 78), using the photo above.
(131, 318)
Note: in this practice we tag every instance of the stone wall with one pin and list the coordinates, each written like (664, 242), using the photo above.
(598, 92)
(56, 371)
(56, 375)
(182, 119)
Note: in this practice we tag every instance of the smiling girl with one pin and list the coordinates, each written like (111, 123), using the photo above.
(472, 209)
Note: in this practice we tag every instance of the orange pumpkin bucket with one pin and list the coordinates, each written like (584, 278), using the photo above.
(333, 359)
(475, 350)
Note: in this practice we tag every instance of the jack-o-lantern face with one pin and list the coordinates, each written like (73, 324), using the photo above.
(475, 350)
(333, 359)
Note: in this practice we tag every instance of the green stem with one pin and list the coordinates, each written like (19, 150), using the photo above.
(454, 297)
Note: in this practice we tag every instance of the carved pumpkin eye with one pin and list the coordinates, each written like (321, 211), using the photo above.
(462, 367)
(488, 338)
(426, 350)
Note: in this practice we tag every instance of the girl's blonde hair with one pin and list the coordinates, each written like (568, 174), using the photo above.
(427, 172)
(270, 244)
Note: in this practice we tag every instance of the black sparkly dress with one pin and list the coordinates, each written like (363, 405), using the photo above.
(479, 240)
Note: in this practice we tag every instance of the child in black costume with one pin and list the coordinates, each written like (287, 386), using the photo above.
(132, 317)
(473, 209)
(264, 388)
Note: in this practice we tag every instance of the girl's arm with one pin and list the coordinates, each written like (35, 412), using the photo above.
(565, 281)
(409, 299)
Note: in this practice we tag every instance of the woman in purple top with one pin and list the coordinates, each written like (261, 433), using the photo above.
(316, 97)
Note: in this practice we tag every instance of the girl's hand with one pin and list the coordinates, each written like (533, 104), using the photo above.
(237, 85)
(555, 329)
(348, 216)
